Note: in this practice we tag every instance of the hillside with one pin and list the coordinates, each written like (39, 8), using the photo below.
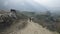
(19, 22)
(45, 19)
(8, 18)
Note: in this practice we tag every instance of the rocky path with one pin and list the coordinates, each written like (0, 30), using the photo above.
(31, 28)
(34, 28)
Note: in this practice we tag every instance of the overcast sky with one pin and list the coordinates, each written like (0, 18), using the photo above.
(50, 4)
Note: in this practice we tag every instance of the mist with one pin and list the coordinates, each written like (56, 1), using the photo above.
(31, 5)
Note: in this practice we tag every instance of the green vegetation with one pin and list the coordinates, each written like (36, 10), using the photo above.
(46, 19)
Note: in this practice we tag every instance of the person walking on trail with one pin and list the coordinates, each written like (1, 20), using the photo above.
(31, 19)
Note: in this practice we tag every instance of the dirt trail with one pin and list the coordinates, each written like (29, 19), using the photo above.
(34, 28)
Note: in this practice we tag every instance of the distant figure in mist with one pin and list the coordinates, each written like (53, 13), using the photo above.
(31, 18)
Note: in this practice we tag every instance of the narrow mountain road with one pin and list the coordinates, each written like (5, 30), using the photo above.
(34, 28)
